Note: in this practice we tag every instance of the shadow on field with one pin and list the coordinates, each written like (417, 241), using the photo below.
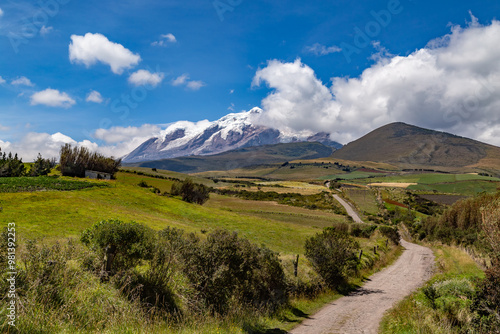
(259, 330)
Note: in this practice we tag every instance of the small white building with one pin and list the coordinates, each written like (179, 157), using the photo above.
(97, 175)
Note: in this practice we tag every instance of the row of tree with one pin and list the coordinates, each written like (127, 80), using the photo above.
(13, 166)
(74, 161)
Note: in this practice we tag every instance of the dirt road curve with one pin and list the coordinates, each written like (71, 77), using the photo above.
(349, 209)
(361, 311)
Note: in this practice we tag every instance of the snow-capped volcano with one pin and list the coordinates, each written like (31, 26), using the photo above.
(233, 131)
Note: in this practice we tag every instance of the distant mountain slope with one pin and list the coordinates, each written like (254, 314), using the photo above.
(231, 132)
(244, 157)
(410, 146)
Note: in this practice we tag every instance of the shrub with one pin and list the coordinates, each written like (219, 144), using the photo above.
(191, 192)
(391, 233)
(121, 245)
(333, 254)
(143, 184)
(224, 268)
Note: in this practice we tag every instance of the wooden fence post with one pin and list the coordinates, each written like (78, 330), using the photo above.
(296, 266)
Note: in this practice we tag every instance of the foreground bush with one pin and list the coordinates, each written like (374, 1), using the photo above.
(333, 254)
(55, 295)
(121, 245)
(225, 268)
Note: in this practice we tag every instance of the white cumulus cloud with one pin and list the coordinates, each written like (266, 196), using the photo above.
(93, 48)
(52, 98)
(48, 145)
(2, 80)
(119, 141)
(453, 85)
(1, 12)
(119, 134)
(144, 77)
(22, 81)
(94, 96)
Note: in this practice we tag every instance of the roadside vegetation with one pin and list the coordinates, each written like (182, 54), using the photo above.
(126, 277)
(462, 297)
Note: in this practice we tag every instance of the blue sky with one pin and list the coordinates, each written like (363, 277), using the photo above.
(194, 60)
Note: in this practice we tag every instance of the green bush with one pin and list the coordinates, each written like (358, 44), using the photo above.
(333, 254)
(121, 245)
(391, 233)
(224, 268)
(191, 192)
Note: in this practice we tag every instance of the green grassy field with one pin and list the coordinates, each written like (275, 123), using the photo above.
(462, 184)
(350, 176)
(431, 178)
(57, 214)
(364, 199)
(29, 184)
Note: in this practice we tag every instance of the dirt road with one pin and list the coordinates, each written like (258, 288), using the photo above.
(349, 209)
(362, 310)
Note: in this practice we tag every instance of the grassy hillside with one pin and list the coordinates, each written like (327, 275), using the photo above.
(92, 305)
(244, 157)
(57, 214)
(409, 146)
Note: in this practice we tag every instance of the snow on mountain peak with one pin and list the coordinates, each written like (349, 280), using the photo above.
(235, 130)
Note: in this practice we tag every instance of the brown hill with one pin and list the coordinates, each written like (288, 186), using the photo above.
(408, 146)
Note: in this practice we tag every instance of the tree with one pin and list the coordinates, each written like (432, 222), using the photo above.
(75, 160)
(191, 192)
(41, 166)
(333, 254)
(11, 166)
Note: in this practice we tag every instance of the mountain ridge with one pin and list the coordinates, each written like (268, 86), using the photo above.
(242, 157)
(407, 146)
(233, 131)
